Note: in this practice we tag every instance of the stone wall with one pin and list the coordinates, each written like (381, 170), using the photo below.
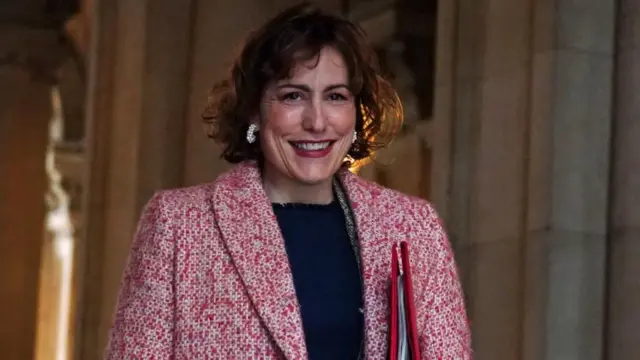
(528, 153)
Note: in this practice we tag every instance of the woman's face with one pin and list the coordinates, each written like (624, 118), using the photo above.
(308, 120)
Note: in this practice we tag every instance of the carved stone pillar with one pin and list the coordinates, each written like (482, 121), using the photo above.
(137, 92)
(24, 114)
(56, 295)
(523, 99)
(32, 48)
(624, 296)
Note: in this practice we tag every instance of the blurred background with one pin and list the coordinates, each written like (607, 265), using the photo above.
(522, 128)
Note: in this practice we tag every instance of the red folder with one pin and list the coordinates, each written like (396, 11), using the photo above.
(403, 328)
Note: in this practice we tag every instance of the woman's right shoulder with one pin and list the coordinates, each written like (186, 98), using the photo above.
(189, 201)
(181, 202)
(181, 215)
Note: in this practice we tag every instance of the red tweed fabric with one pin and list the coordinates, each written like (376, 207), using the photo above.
(208, 275)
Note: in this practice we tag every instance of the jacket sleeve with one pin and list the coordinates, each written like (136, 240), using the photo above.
(446, 334)
(144, 318)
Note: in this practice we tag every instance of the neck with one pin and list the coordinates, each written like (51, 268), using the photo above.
(281, 189)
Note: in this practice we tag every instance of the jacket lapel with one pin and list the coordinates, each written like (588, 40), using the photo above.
(253, 238)
(375, 251)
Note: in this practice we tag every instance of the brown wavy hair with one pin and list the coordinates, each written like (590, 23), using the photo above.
(270, 54)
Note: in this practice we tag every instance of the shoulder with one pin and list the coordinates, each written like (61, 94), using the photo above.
(400, 216)
(388, 201)
(182, 199)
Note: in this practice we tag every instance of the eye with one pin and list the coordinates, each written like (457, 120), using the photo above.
(291, 96)
(337, 97)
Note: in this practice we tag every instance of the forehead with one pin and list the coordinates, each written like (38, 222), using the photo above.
(327, 67)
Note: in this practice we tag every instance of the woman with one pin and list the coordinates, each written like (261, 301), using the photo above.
(288, 254)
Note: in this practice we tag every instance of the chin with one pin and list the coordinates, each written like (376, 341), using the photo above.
(313, 176)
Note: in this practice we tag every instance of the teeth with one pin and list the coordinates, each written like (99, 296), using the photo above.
(311, 146)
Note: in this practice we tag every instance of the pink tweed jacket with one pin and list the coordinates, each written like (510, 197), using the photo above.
(208, 275)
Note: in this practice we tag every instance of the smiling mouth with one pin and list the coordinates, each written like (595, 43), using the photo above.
(311, 145)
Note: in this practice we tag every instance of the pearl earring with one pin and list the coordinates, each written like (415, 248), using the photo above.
(355, 137)
(251, 133)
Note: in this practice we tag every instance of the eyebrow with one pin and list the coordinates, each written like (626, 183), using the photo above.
(306, 88)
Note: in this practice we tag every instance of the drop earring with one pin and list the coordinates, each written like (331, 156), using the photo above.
(251, 133)
(355, 137)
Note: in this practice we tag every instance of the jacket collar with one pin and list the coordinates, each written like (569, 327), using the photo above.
(251, 233)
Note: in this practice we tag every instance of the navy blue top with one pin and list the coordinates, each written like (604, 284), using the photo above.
(326, 278)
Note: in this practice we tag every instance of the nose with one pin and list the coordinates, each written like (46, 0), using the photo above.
(313, 118)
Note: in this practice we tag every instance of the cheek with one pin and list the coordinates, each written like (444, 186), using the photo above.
(281, 120)
(343, 119)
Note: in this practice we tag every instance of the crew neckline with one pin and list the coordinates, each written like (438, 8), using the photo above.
(298, 205)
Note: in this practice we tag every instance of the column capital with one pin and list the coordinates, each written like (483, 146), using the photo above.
(38, 52)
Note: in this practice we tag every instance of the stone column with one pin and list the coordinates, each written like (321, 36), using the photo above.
(522, 117)
(624, 286)
(24, 118)
(581, 124)
(28, 60)
(138, 91)
(482, 125)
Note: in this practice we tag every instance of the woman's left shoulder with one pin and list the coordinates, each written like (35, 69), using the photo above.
(402, 217)
(386, 200)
